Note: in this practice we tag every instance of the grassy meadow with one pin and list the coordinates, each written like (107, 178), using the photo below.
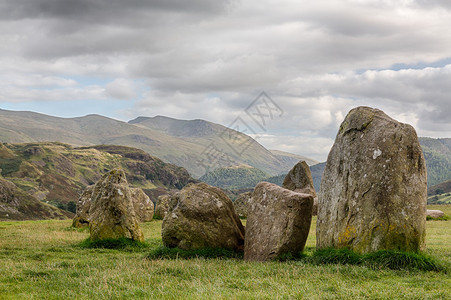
(44, 260)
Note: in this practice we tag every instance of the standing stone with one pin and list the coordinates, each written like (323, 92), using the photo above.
(278, 222)
(202, 216)
(300, 180)
(111, 214)
(373, 191)
(81, 218)
(241, 203)
(142, 205)
(162, 206)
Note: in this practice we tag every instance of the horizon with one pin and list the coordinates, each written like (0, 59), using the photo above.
(169, 117)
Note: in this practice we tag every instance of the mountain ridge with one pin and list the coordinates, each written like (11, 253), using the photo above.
(201, 146)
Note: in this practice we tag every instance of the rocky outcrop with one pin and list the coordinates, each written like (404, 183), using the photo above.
(241, 203)
(81, 218)
(16, 204)
(434, 213)
(162, 206)
(300, 180)
(111, 214)
(202, 216)
(278, 222)
(142, 205)
(373, 191)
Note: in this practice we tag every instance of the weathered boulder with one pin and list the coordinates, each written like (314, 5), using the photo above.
(434, 213)
(162, 206)
(241, 203)
(373, 191)
(278, 222)
(202, 216)
(142, 205)
(81, 218)
(300, 180)
(111, 214)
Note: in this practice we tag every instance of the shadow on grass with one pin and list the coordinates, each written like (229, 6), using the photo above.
(383, 259)
(209, 253)
(118, 244)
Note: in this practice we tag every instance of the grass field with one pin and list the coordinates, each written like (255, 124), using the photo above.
(44, 260)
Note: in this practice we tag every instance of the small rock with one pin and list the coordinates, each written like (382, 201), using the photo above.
(434, 213)
(162, 206)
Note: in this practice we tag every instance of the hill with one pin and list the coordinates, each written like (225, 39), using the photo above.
(437, 153)
(235, 178)
(56, 173)
(292, 159)
(16, 204)
(441, 188)
(197, 145)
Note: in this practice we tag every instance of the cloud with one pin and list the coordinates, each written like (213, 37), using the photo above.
(210, 59)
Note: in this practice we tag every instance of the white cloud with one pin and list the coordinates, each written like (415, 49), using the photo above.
(210, 59)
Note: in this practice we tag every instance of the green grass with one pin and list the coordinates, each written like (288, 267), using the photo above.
(45, 260)
(384, 259)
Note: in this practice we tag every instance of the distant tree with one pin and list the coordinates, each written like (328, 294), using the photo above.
(61, 205)
(72, 206)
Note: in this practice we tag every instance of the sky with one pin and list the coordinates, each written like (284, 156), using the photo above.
(202, 59)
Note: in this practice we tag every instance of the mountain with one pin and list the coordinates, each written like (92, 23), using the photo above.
(56, 173)
(235, 178)
(292, 159)
(437, 153)
(197, 145)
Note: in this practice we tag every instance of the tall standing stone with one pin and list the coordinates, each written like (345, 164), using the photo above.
(300, 180)
(373, 191)
(202, 216)
(278, 222)
(111, 214)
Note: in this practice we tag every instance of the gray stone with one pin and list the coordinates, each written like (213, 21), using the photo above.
(142, 205)
(434, 213)
(278, 222)
(81, 218)
(300, 180)
(373, 191)
(111, 214)
(162, 206)
(201, 216)
(241, 203)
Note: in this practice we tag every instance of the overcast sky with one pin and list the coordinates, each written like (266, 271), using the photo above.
(211, 59)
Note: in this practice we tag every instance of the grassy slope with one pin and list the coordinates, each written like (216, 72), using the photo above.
(57, 173)
(41, 260)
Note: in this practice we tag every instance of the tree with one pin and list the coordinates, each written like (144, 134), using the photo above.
(71, 206)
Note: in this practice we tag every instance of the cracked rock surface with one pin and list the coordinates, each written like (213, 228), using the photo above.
(374, 188)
